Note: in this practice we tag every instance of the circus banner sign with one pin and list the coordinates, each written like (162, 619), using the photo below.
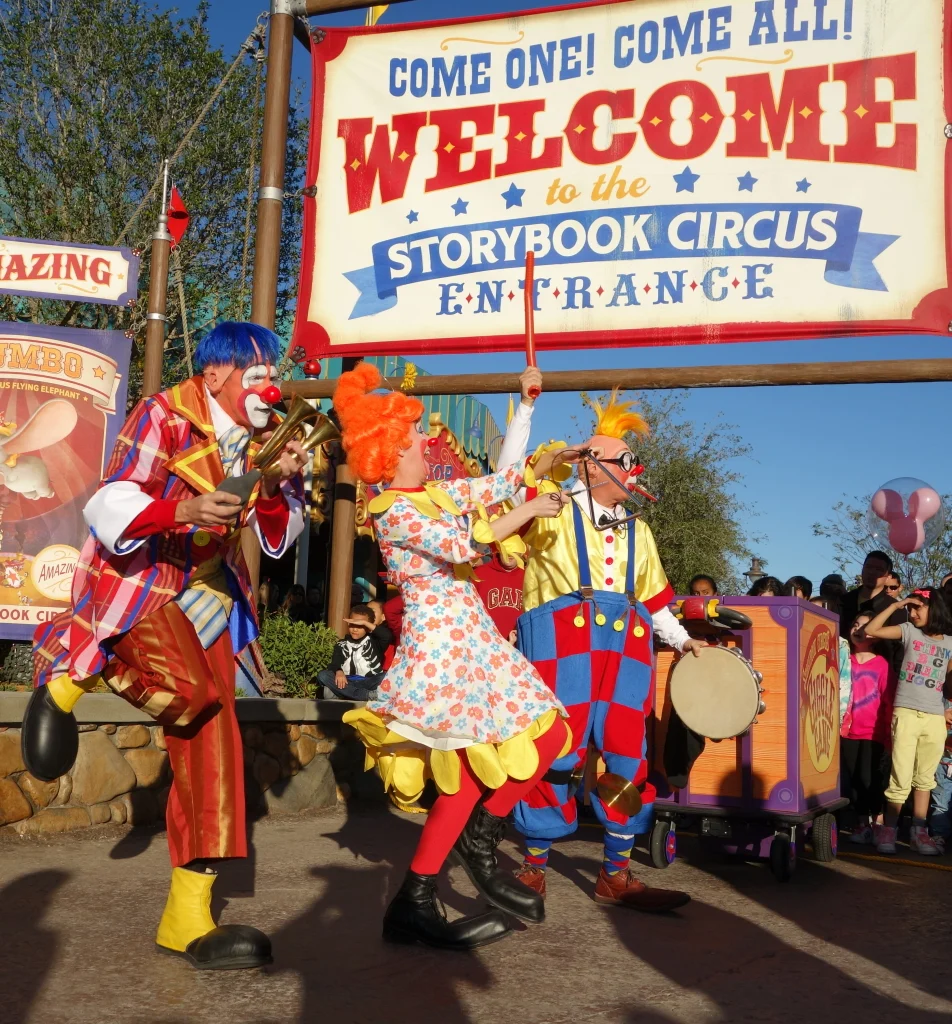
(60, 270)
(683, 172)
(62, 401)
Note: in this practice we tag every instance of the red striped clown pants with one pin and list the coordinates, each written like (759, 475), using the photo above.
(160, 667)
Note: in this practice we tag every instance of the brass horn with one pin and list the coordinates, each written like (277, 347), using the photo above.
(292, 427)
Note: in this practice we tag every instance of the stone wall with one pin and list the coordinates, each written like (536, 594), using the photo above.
(298, 756)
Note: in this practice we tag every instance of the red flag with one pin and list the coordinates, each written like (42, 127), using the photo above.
(178, 218)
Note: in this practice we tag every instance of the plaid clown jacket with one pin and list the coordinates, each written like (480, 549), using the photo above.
(166, 449)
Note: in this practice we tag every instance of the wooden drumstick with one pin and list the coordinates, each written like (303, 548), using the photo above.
(534, 392)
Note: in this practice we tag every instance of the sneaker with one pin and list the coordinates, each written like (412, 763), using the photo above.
(923, 843)
(862, 836)
(940, 843)
(887, 840)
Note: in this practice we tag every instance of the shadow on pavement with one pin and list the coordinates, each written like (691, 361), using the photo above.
(29, 950)
(350, 974)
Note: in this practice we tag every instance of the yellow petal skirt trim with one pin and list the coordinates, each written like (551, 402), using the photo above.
(404, 766)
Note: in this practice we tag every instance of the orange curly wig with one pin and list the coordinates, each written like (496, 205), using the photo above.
(375, 428)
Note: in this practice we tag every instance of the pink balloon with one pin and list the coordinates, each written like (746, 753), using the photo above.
(906, 531)
(924, 503)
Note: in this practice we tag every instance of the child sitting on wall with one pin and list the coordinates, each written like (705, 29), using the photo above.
(357, 666)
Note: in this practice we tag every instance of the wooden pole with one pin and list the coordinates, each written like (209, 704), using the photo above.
(154, 355)
(274, 142)
(343, 529)
(342, 547)
(893, 371)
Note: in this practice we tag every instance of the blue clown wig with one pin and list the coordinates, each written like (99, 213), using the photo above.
(237, 344)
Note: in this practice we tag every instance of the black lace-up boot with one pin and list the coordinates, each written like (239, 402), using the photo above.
(417, 915)
(475, 850)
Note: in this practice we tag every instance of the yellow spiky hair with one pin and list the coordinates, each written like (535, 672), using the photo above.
(617, 418)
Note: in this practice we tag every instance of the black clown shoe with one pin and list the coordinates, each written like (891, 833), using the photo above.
(475, 851)
(416, 915)
(49, 739)
(187, 929)
(229, 947)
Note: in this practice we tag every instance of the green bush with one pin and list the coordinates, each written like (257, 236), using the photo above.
(296, 651)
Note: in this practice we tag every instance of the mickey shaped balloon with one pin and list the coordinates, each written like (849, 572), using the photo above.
(906, 514)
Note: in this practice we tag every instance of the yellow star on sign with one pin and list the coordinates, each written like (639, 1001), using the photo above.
(99, 373)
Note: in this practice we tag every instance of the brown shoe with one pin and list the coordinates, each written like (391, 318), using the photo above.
(532, 877)
(624, 890)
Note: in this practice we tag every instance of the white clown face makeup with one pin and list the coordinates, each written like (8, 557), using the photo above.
(254, 410)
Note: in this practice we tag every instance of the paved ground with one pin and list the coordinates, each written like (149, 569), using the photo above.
(855, 941)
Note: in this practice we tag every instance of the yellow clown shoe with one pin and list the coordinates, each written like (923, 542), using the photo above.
(187, 929)
(50, 736)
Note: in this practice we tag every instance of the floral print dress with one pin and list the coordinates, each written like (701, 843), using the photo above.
(455, 682)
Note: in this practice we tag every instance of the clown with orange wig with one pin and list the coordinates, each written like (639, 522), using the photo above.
(594, 594)
(458, 705)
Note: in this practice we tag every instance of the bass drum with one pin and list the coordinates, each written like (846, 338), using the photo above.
(718, 694)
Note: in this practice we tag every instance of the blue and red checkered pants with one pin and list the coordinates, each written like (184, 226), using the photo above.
(603, 678)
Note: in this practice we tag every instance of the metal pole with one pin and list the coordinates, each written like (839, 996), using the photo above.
(333, 6)
(891, 371)
(158, 297)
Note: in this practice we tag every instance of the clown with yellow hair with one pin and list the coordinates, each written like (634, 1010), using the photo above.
(595, 593)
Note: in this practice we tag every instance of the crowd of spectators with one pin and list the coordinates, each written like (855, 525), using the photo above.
(895, 698)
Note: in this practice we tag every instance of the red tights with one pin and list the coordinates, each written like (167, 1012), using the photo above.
(450, 813)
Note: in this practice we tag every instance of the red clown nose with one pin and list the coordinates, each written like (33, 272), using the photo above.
(271, 395)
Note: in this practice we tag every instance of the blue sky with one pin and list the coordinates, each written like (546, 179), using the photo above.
(810, 446)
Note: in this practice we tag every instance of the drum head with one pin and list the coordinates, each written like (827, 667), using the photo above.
(716, 695)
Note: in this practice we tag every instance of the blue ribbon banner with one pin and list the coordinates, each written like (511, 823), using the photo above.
(782, 230)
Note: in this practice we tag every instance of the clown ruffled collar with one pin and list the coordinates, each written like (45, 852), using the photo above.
(429, 500)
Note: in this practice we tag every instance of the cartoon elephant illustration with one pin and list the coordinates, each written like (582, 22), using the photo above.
(24, 474)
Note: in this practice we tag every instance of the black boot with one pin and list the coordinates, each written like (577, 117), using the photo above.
(50, 737)
(475, 850)
(416, 915)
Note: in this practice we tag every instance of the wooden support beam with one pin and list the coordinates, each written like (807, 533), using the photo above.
(893, 371)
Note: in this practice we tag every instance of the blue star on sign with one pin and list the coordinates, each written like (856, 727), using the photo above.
(685, 180)
(459, 207)
(513, 196)
(413, 216)
(804, 185)
(746, 183)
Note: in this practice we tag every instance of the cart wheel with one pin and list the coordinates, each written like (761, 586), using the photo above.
(824, 837)
(783, 858)
(664, 844)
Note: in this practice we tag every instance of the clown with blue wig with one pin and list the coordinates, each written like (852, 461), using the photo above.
(162, 611)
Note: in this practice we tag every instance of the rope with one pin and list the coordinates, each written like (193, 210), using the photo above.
(250, 199)
(180, 282)
(253, 44)
(254, 40)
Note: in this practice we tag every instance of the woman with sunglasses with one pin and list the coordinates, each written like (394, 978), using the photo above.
(919, 721)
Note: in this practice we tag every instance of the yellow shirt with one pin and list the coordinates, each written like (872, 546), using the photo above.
(552, 566)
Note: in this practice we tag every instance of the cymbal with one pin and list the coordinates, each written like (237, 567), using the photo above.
(617, 792)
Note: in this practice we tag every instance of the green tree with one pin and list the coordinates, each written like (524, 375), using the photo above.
(691, 468)
(846, 529)
(93, 96)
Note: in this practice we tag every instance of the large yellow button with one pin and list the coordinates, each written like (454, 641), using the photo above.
(600, 619)
(202, 538)
(639, 630)
(619, 625)
(579, 621)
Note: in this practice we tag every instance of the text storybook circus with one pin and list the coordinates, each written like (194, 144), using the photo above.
(683, 173)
